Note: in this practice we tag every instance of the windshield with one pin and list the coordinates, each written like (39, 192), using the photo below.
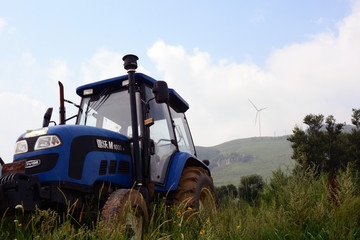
(109, 110)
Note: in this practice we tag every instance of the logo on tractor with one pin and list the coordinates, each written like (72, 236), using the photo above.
(105, 144)
(32, 163)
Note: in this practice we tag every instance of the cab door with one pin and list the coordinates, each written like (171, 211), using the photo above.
(161, 132)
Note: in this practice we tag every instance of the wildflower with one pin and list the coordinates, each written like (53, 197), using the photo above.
(238, 226)
(19, 207)
(202, 232)
(189, 208)
(16, 221)
(164, 198)
(174, 221)
(179, 212)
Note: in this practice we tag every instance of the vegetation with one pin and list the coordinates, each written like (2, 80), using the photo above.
(327, 148)
(296, 206)
(251, 187)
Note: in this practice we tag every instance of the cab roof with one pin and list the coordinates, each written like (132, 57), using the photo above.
(175, 101)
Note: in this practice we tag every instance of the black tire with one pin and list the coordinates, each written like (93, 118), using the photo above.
(126, 206)
(196, 190)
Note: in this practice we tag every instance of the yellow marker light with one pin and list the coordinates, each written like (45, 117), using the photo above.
(149, 122)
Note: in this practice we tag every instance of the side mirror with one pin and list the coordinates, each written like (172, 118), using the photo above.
(47, 117)
(161, 92)
(206, 162)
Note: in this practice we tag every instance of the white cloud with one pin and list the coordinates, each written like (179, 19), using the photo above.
(59, 71)
(217, 92)
(20, 114)
(104, 64)
(319, 20)
(317, 76)
(28, 59)
(258, 16)
(323, 72)
(2, 23)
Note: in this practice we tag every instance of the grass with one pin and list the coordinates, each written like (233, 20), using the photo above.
(300, 206)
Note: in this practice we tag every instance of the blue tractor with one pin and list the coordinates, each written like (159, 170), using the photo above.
(131, 142)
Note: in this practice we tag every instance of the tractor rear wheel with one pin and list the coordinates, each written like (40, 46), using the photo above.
(196, 190)
(126, 207)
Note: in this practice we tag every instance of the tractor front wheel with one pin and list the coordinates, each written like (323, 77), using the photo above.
(126, 207)
(196, 190)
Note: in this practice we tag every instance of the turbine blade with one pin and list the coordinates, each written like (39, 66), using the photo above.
(253, 105)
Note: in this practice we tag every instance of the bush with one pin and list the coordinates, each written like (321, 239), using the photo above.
(226, 193)
(250, 187)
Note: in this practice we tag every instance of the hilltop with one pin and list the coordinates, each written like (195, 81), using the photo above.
(231, 160)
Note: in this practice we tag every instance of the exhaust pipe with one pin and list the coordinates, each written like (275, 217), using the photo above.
(130, 64)
(62, 105)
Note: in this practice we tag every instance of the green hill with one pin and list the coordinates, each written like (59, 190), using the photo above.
(231, 160)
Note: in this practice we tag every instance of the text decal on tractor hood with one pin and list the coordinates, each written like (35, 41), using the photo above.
(109, 145)
(32, 163)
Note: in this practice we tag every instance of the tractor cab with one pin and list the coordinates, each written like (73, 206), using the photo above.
(161, 123)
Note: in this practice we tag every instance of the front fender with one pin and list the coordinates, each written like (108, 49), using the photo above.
(179, 161)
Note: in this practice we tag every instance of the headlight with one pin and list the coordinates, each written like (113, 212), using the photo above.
(47, 141)
(21, 147)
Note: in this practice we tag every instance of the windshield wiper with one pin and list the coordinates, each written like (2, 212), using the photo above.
(103, 96)
(94, 104)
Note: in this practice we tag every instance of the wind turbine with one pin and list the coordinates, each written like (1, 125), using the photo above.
(257, 113)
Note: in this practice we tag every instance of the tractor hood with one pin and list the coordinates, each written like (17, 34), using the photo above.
(58, 138)
(70, 152)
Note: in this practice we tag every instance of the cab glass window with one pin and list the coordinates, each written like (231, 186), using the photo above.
(182, 132)
(109, 110)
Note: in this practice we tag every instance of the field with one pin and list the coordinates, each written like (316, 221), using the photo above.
(300, 206)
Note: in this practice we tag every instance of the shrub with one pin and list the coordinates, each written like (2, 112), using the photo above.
(250, 187)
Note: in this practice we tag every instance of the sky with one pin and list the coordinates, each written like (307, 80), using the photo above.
(291, 57)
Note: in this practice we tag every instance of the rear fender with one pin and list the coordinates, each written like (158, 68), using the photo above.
(178, 163)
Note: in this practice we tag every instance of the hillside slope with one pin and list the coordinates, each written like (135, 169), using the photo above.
(231, 160)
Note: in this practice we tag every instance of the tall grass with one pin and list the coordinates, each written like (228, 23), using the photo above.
(300, 206)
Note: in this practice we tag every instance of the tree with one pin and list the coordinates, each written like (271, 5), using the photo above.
(354, 139)
(308, 147)
(227, 192)
(315, 123)
(250, 187)
(335, 153)
(356, 118)
(300, 146)
(320, 147)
